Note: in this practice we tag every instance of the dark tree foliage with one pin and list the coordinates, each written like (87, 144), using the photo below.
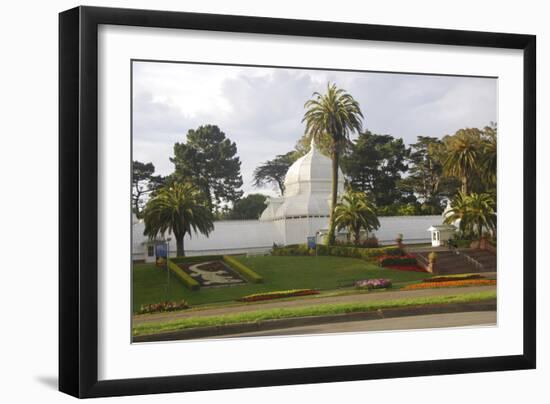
(425, 176)
(143, 183)
(274, 171)
(375, 164)
(248, 208)
(209, 160)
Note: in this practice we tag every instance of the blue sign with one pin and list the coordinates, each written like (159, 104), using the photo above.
(161, 250)
(311, 242)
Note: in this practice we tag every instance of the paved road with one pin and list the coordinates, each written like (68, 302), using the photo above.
(309, 301)
(485, 318)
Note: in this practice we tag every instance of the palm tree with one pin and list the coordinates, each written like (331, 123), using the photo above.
(462, 156)
(335, 114)
(179, 209)
(482, 212)
(476, 212)
(356, 212)
(489, 156)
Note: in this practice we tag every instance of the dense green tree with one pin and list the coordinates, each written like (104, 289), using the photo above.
(209, 160)
(355, 213)
(375, 165)
(333, 115)
(274, 171)
(476, 212)
(248, 208)
(143, 183)
(425, 177)
(178, 209)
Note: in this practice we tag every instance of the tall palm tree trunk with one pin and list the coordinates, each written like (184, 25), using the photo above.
(334, 199)
(357, 235)
(480, 225)
(180, 251)
(465, 185)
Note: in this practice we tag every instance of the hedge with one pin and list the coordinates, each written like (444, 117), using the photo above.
(242, 269)
(293, 249)
(187, 280)
(198, 258)
(357, 252)
(388, 260)
(337, 250)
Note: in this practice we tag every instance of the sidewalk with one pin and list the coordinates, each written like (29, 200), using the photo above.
(308, 301)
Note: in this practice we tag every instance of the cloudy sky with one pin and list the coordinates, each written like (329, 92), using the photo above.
(261, 108)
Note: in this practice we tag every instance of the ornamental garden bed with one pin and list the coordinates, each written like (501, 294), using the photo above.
(451, 284)
(460, 277)
(278, 295)
(323, 273)
(211, 273)
(162, 307)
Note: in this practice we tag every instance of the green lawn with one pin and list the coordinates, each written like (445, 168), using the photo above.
(279, 273)
(318, 310)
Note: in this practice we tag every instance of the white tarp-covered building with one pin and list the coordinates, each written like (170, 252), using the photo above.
(305, 207)
(302, 212)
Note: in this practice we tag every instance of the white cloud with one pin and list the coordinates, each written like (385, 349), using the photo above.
(261, 108)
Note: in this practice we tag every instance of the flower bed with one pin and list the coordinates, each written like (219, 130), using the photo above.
(451, 284)
(448, 278)
(373, 284)
(278, 295)
(392, 260)
(162, 307)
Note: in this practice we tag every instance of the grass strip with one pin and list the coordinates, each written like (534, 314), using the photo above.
(451, 284)
(317, 310)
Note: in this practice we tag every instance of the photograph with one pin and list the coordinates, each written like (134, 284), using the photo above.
(272, 201)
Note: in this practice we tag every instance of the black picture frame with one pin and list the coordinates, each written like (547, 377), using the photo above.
(78, 201)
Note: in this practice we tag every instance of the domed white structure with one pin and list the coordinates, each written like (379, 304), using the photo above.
(305, 207)
(303, 211)
(308, 184)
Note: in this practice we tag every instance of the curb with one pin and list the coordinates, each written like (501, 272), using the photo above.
(267, 325)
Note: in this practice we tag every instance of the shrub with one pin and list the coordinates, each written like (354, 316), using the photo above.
(243, 270)
(371, 242)
(278, 295)
(356, 252)
(373, 284)
(461, 243)
(432, 257)
(187, 280)
(387, 260)
(162, 307)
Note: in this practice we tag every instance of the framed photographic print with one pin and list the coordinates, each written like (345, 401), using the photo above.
(250, 201)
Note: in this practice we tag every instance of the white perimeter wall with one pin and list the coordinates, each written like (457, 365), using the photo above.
(249, 236)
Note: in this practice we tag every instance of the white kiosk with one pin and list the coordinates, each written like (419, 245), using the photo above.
(443, 232)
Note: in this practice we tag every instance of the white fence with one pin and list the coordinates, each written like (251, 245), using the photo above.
(253, 236)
